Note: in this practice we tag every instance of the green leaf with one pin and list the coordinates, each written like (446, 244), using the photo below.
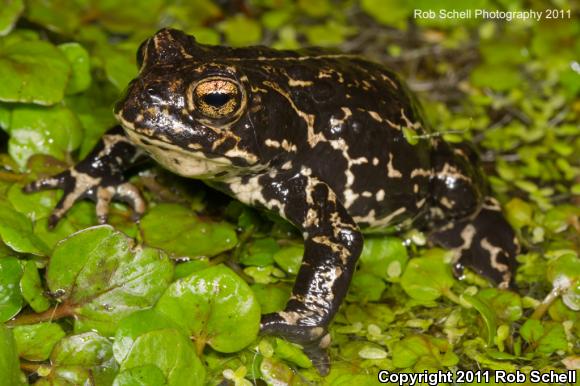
(135, 325)
(506, 305)
(62, 16)
(564, 273)
(389, 12)
(87, 349)
(497, 77)
(385, 257)
(104, 276)
(9, 14)
(544, 338)
(148, 375)
(367, 287)
(519, 213)
(272, 297)
(487, 315)
(83, 358)
(290, 258)
(292, 353)
(55, 131)
(78, 58)
(36, 341)
(171, 352)
(417, 349)
(427, 278)
(10, 297)
(32, 289)
(241, 31)
(9, 364)
(32, 72)
(259, 252)
(16, 232)
(119, 63)
(186, 234)
(215, 306)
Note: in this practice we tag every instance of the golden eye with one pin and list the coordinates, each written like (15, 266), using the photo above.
(217, 97)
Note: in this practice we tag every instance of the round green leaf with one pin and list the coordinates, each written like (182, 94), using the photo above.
(148, 375)
(36, 341)
(10, 296)
(32, 72)
(9, 13)
(259, 252)
(135, 325)
(87, 349)
(427, 278)
(506, 305)
(290, 258)
(104, 277)
(78, 58)
(82, 359)
(16, 232)
(385, 257)
(215, 306)
(186, 234)
(55, 131)
(171, 352)
(272, 297)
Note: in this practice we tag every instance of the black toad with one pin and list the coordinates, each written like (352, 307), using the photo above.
(332, 143)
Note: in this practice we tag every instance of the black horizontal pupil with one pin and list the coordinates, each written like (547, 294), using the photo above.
(216, 99)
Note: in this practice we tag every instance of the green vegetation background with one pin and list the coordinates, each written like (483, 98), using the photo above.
(178, 302)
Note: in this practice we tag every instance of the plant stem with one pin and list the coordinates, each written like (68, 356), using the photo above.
(60, 311)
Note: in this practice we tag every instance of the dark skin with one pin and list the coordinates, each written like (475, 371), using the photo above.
(330, 142)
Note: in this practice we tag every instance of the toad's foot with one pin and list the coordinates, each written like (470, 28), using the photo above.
(314, 340)
(99, 177)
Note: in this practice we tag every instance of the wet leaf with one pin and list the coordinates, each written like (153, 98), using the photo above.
(169, 351)
(32, 72)
(290, 258)
(385, 257)
(259, 252)
(135, 325)
(78, 358)
(54, 131)
(9, 364)
(186, 234)
(10, 296)
(32, 289)
(292, 353)
(104, 277)
(16, 232)
(78, 58)
(36, 341)
(271, 297)
(427, 278)
(141, 376)
(214, 306)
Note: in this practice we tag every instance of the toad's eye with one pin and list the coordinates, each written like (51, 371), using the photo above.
(216, 98)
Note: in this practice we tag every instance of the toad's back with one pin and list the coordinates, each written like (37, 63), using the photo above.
(352, 122)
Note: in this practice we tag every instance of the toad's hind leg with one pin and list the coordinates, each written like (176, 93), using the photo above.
(332, 245)
(485, 243)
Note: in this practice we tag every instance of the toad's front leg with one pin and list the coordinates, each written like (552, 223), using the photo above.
(99, 177)
(332, 243)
